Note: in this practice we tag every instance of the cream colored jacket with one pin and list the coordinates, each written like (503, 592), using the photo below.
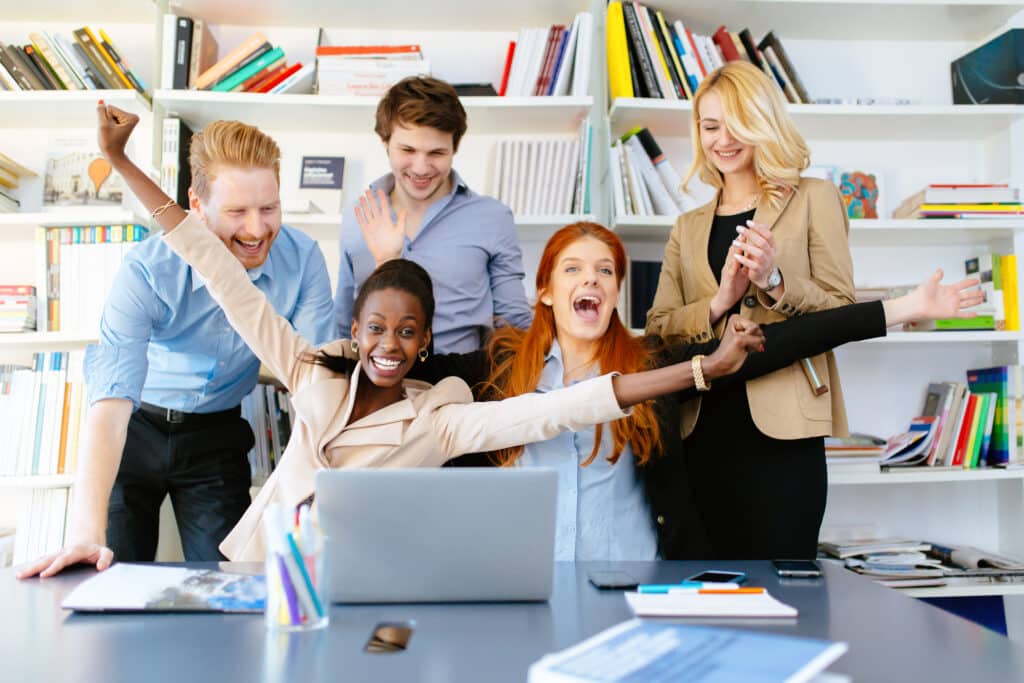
(813, 254)
(430, 425)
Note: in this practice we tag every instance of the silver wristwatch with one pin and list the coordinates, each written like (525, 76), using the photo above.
(774, 280)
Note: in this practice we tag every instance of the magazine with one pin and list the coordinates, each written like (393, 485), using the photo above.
(155, 588)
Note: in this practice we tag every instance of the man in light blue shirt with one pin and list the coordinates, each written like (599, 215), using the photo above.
(466, 241)
(167, 352)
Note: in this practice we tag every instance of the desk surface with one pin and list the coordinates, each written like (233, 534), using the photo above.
(891, 637)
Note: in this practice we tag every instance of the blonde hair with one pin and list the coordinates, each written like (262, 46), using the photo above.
(230, 143)
(755, 114)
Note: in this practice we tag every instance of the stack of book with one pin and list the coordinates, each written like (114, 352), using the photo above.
(544, 177)
(52, 62)
(76, 269)
(651, 56)
(41, 524)
(269, 412)
(42, 411)
(961, 201)
(550, 60)
(644, 182)
(10, 173)
(368, 70)
(17, 308)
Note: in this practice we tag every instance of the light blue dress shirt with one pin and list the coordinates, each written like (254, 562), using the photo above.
(603, 513)
(164, 340)
(469, 245)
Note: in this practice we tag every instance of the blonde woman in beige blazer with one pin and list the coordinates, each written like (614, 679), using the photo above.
(769, 246)
(366, 414)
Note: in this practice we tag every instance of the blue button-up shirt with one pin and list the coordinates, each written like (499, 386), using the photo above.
(603, 513)
(165, 341)
(468, 244)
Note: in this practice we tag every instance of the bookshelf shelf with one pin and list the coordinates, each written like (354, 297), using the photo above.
(437, 15)
(541, 227)
(352, 114)
(922, 475)
(63, 108)
(76, 217)
(947, 337)
(671, 118)
(44, 341)
(966, 20)
(39, 481)
(885, 232)
(965, 590)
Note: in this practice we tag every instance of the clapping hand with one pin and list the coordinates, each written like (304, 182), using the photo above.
(384, 237)
(732, 285)
(756, 246)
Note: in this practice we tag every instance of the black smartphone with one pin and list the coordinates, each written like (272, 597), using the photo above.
(801, 569)
(612, 580)
(718, 576)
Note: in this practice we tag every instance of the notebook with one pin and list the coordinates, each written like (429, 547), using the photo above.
(702, 605)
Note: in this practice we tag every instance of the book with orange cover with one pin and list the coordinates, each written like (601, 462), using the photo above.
(271, 82)
(394, 51)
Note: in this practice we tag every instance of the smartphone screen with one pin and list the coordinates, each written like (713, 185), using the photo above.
(718, 576)
(808, 568)
(611, 579)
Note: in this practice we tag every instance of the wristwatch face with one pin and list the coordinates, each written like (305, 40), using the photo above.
(774, 278)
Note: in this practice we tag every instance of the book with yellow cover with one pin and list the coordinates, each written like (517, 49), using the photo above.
(619, 82)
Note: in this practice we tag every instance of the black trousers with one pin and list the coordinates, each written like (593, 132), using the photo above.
(758, 497)
(201, 463)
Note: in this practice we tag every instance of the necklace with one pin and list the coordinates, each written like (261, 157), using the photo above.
(747, 207)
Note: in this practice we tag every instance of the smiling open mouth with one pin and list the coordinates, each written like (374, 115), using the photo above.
(587, 307)
(385, 364)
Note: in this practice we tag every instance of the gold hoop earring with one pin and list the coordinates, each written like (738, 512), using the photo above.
(355, 345)
(423, 354)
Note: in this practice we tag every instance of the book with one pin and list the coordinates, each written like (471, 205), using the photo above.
(175, 170)
(230, 61)
(280, 76)
(660, 652)
(508, 67)
(14, 61)
(649, 86)
(204, 50)
(42, 69)
(99, 59)
(871, 546)
(969, 557)
(236, 79)
(299, 81)
(119, 62)
(693, 604)
(771, 41)
(128, 587)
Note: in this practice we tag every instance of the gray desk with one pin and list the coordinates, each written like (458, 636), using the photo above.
(891, 637)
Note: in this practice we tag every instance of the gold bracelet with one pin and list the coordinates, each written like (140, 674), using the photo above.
(160, 209)
(698, 373)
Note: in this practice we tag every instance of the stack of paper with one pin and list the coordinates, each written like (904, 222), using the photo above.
(694, 604)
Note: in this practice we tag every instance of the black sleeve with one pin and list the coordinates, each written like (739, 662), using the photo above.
(472, 368)
(790, 340)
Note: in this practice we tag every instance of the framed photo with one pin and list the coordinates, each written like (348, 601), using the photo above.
(862, 193)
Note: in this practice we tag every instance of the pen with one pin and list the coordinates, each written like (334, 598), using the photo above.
(718, 591)
(666, 587)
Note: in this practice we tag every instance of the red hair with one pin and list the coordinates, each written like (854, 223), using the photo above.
(518, 355)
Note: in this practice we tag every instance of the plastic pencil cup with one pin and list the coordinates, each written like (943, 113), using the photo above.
(296, 599)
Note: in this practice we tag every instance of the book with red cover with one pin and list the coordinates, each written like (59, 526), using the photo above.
(257, 81)
(724, 41)
(556, 38)
(269, 84)
(965, 430)
(508, 67)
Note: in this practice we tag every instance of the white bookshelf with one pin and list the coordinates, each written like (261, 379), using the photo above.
(44, 341)
(80, 12)
(70, 218)
(352, 114)
(921, 475)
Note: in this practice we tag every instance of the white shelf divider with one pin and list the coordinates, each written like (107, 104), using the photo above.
(353, 114)
(72, 217)
(63, 108)
(44, 341)
(964, 590)
(671, 118)
(921, 475)
(38, 481)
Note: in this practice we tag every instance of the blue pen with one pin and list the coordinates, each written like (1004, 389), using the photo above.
(666, 587)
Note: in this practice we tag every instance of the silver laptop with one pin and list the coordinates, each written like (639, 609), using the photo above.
(438, 535)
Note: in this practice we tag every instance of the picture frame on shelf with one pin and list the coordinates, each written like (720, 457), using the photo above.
(862, 193)
(77, 175)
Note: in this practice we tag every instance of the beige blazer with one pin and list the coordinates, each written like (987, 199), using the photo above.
(812, 251)
(430, 425)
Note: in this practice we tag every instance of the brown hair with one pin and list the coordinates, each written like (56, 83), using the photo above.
(421, 101)
(230, 143)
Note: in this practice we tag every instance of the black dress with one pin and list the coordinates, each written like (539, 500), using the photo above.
(758, 497)
(677, 504)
